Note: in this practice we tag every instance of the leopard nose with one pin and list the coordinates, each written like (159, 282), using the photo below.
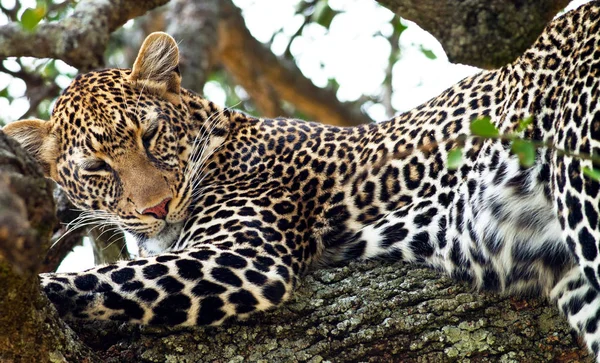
(159, 211)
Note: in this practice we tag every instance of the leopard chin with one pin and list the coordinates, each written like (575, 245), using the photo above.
(160, 242)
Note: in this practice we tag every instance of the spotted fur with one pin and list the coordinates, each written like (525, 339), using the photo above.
(231, 210)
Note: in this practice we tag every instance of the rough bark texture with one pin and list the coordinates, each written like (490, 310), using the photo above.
(31, 330)
(194, 25)
(374, 312)
(80, 39)
(483, 33)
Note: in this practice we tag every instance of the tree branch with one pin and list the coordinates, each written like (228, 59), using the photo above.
(194, 25)
(483, 33)
(387, 86)
(31, 330)
(80, 39)
(368, 311)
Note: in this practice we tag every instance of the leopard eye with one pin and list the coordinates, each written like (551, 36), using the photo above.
(96, 165)
(149, 134)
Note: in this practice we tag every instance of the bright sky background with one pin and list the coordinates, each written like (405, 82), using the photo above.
(351, 51)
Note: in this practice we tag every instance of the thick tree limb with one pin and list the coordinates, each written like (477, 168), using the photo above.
(80, 39)
(483, 33)
(254, 66)
(31, 330)
(194, 25)
(367, 312)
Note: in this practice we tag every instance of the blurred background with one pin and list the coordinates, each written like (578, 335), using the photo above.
(357, 48)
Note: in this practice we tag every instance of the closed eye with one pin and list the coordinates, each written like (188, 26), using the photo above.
(95, 165)
(149, 134)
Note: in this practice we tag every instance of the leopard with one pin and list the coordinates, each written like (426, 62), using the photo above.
(230, 210)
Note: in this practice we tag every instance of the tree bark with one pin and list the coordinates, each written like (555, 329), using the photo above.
(373, 312)
(482, 33)
(80, 39)
(30, 328)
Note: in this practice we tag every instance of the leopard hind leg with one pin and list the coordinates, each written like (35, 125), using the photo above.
(579, 301)
(500, 232)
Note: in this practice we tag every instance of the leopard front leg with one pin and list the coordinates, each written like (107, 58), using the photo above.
(234, 259)
(203, 285)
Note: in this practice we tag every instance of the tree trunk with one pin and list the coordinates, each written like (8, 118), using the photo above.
(482, 33)
(30, 330)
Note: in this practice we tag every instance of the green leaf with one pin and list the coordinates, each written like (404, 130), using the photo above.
(593, 174)
(524, 123)
(49, 70)
(31, 17)
(398, 25)
(525, 150)
(428, 53)
(333, 84)
(324, 14)
(484, 127)
(454, 158)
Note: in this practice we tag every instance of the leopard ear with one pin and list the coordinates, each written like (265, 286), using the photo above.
(156, 68)
(35, 137)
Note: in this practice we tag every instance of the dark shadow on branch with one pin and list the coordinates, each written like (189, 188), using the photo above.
(482, 33)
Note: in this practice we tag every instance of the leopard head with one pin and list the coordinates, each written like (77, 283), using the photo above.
(127, 144)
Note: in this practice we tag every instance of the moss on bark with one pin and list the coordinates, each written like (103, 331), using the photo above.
(30, 328)
(373, 312)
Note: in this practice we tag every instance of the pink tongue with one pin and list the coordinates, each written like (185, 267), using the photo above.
(159, 210)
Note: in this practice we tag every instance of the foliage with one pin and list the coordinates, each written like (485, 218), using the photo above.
(36, 98)
(41, 78)
(454, 158)
(522, 147)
